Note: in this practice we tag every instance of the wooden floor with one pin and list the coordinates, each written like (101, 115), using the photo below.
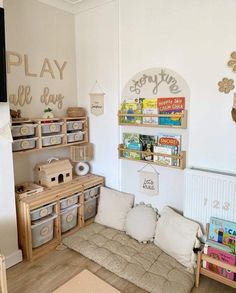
(57, 267)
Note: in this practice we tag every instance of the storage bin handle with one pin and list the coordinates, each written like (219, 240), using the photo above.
(43, 222)
(92, 198)
(63, 211)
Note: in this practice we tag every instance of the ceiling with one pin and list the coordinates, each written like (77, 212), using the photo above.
(74, 6)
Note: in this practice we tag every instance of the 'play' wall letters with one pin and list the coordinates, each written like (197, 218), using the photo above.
(48, 69)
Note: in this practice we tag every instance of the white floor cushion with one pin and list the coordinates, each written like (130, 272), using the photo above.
(177, 236)
(113, 208)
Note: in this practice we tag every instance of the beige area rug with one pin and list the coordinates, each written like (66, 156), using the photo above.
(86, 282)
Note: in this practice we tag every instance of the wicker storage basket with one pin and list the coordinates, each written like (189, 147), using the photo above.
(76, 112)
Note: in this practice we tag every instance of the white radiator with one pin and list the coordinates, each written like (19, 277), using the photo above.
(209, 193)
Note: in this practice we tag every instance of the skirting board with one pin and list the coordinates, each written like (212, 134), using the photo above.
(13, 258)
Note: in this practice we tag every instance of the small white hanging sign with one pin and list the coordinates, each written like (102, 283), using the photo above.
(97, 103)
(149, 182)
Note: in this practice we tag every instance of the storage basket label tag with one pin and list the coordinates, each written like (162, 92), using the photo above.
(24, 130)
(43, 212)
(44, 231)
(53, 128)
(24, 144)
(53, 140)
(69, 218)
(75, 125)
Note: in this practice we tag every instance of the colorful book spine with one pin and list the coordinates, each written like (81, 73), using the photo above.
(172, 143)
(171, 106)
(131, 107)
(150, 107)
(222, 256)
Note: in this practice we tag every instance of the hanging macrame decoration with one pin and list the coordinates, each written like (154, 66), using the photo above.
(149, 181)
(97, 100)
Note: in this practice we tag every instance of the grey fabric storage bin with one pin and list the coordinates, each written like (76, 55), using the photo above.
(91, 192)
(75, 136)
(74, 125)
(53, 127)
(42, 212)
(90, 208)
(24, 144)
(23, 130)
(42, 231)
(69, 201)
(69, 218)
(90, 202)
(52, 140)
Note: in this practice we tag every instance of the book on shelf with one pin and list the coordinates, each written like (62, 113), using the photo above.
(162, 160)
(169, 144)
(171, 105)
(222, 256)
(149, 106)
(219, 246)
(131, 107)
(147, 142)
(223, 232)
(131, 142)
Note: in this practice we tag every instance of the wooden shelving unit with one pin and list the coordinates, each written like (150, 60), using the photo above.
(26, 205)
(39, 136)
(181, 157)
(182, 116)
(212, 275)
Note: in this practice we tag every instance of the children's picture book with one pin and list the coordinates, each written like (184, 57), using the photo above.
(223, 232)
(162, 160)
(172, 144)
(220, 255)
(219, 246)
(131, 141)
(150, 107)
(147, 142)
(131, 107)
(175, 105)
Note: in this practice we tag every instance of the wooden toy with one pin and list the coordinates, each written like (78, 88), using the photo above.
(53, 172)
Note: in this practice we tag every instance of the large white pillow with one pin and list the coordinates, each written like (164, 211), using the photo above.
(177, 236)
(113, 208)
(141, 223)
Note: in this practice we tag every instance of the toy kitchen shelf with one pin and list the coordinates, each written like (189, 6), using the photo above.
(180, 157)
(202, 271)
(181, 116)
(46, 207)
(37, 134)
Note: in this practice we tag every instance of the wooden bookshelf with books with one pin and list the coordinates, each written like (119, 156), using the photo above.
(217, 260)
(160, 112)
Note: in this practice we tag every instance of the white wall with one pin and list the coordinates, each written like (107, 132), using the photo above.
(193, 38)
(8, 229)
(39, 31)
(44, 32)
(97, 59)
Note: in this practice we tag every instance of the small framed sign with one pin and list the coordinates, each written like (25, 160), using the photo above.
(97, 103)
(149, 182)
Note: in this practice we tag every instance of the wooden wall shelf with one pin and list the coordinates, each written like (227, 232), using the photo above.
(181, 157)
(182, 116)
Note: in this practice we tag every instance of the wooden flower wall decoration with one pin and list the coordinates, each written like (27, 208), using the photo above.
(226, 84)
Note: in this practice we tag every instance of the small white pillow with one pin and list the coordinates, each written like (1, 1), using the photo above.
(113, 208)
(141, 223)
(177, 236)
